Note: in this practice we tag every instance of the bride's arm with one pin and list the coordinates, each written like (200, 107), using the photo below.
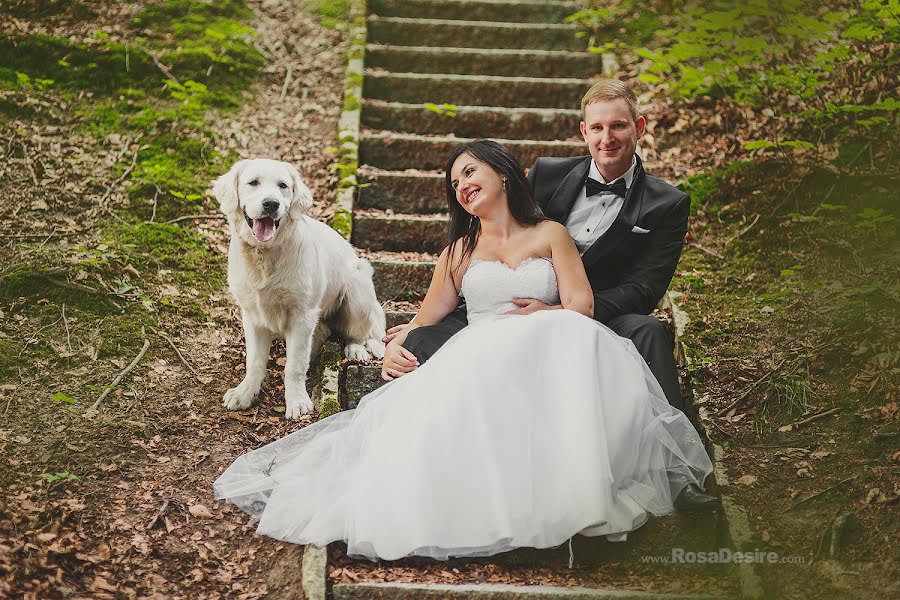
(440, 300)
(574, 288)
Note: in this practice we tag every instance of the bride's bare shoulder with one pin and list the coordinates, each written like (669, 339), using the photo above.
(551, 230)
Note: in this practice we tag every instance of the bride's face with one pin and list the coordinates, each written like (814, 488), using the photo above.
(478, 186)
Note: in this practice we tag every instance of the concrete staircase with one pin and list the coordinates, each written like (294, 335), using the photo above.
(438, 73)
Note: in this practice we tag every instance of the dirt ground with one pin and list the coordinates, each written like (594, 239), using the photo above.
(120, 504)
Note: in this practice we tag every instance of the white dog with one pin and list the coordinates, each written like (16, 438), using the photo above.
(289, 273)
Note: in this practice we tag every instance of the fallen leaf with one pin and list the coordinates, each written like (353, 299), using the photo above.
(746, 480)
(102, 585)
(200, 511)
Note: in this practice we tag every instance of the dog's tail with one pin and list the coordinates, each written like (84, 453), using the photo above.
(364, 267)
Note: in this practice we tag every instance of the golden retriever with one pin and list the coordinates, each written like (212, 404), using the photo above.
(290, 274)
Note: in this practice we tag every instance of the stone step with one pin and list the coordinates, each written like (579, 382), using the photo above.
(476, 10)
(496, 591)
(395, 151)
(483, 61)
(357, 380)
(475, 90)
(445, 33)
(399, 279)
(473, 121)
(410, 193)
(375, 230)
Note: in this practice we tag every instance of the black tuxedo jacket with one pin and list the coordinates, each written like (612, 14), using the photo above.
(629, 271)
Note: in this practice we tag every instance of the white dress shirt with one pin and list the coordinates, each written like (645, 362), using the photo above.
(592, 216)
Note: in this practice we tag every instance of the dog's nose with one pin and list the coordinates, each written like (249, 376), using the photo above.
(270, 206)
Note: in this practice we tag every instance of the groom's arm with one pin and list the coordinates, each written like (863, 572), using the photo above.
(647, 280)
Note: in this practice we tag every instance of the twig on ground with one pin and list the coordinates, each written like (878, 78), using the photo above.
(759, 382)
(194, 218)
(29, 165)
(81, 288)
(819, 493)
(707, 250)
(287, 82)
(178, 352)
(165, 70)
(34, 336)
(46, 239)
(816, 417)
(743, 231)
(119, 378)
(66, 324)
(155, 198)
(119, 179)
(159, 515)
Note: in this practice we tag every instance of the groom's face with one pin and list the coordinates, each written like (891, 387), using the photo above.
(611, 134)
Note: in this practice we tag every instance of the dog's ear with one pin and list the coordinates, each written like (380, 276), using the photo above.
(302, 200)
(225, 188)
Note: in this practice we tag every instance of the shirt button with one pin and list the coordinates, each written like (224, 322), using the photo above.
(589, 230)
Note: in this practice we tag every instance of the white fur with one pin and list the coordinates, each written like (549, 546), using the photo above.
(289, 286)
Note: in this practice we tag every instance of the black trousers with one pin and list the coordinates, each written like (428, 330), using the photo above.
(651, 337)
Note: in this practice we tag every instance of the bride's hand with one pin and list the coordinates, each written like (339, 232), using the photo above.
(393, 331)
(398, 361)
(528, 306)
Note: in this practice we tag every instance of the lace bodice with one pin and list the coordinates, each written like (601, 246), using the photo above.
(490, 285)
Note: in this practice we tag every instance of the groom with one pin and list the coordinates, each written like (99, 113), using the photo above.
(628, 226)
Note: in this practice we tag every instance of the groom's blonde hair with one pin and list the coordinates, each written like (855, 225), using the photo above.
(611, 89)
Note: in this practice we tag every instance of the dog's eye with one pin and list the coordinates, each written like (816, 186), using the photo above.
(282, 185)
(253, 182)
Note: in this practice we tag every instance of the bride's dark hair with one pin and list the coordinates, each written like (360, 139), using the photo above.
(520, 198)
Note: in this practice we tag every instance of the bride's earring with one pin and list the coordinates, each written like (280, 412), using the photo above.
(504, 186)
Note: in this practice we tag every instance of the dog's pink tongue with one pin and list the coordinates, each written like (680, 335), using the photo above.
(263, 229)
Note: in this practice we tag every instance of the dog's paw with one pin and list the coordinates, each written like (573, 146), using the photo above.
(297, 404)
(376, 347)
(356, 352)
(240, 397)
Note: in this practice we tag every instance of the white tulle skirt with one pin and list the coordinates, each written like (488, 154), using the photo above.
(519, 432)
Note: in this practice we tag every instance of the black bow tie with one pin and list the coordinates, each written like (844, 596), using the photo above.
(592, 187)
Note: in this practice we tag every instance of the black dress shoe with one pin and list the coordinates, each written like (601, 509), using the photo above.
(692, 500)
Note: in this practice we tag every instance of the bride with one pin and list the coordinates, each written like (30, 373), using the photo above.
(511, 435)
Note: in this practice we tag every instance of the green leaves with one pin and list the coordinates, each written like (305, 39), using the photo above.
(64, 476)
(444, 110)
(62, 398)
(766, 144)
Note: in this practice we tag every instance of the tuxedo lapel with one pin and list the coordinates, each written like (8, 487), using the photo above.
(627, 218)
(560, 204)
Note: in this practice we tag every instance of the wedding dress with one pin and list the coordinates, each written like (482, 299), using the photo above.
(521, 431)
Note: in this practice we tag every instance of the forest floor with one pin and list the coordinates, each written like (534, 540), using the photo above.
(789, 280)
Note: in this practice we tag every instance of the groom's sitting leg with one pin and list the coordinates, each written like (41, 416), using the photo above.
(425, 341)
(654, 341)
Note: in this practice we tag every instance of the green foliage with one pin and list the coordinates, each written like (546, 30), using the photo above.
(767, 144)
(160, 246)
(702, 187)
(444, 110)
(63, 476)
(9, 354)
(752, 50)
(62, 398)
(342, 222)
(333, 13)
(36, 283)
(42, 61)
(615, 20)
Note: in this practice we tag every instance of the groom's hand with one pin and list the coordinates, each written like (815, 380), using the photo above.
(528, 306)
(398, 361)
(393, 331)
